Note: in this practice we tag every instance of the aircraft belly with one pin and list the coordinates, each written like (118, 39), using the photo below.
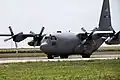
(62, 49)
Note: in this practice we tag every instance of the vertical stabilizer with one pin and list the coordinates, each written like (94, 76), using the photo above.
(105, 18)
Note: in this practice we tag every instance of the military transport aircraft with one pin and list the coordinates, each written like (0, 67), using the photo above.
(64, 44)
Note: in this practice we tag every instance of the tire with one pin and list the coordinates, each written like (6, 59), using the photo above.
(85, 56)
(63, 56)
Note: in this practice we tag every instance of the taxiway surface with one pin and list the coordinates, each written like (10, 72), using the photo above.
(71, 58)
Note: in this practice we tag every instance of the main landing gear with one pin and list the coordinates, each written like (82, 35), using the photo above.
(63, 56)
(49, 56)
(86, 56)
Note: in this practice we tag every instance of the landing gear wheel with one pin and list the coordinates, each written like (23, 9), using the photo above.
(63, 56)
(85, 56)
(50, 56)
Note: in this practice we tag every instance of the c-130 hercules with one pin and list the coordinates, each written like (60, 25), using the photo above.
(65, 44)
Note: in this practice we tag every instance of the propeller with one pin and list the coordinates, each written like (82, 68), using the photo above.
(13, 36)
(89, 37)
(84, 30)
(36, 37)
(86, 33)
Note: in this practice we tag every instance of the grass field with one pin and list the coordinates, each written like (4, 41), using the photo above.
(80, 70)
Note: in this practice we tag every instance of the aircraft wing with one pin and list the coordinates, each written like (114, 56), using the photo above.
(90, 34)
(21, 36)
(5, 35)
(104, 32)
(24, 35)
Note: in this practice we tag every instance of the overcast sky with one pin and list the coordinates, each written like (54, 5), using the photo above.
(26, 15)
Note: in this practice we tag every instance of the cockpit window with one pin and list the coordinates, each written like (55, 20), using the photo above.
(53, 38)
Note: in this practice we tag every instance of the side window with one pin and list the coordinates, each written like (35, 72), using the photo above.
(53, 39)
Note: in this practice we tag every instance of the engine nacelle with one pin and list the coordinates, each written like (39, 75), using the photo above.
(34, 43)
(19, 37)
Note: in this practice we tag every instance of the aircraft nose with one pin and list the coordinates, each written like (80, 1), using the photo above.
(43, 46)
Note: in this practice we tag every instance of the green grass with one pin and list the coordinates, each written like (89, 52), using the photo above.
(79, 70)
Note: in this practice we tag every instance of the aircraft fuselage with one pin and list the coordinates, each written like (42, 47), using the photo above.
(65, 44)
(60, 43)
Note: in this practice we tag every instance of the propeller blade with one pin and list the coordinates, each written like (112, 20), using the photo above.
(16, 45)
(35, 43)
(32, 32)
(41, 31)
(95, 29)
(11, 31)
(90, 36)
(83, 30)
(7, 39)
